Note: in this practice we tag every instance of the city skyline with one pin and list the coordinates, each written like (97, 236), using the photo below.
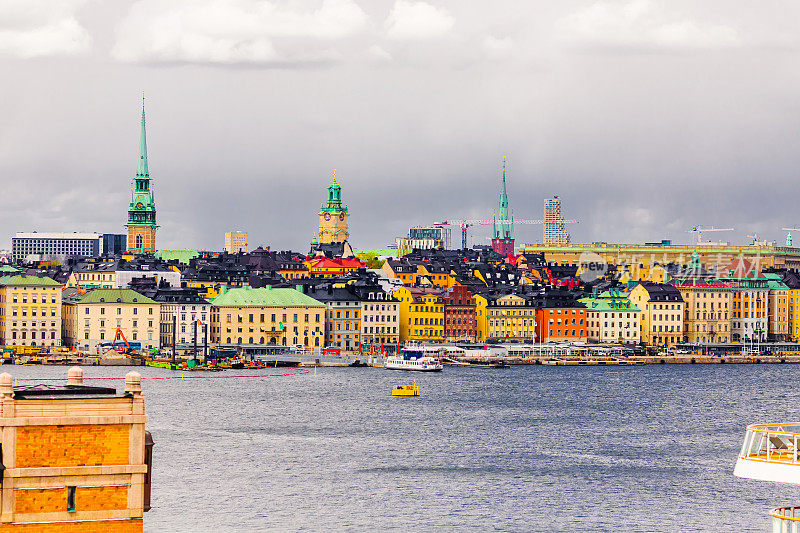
(645, 118)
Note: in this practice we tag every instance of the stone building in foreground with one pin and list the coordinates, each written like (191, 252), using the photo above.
(74, 457)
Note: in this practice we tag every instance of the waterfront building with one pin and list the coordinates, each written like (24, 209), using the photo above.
(75, 457)
(235, 242)
(750, 297)
(611, 317)
(142, 209)
(425, 238)
(561, 324)
(459, 314)
(380, 316)
(503, 228)
(30, 311)
(708, 303)
(506, 317)
(791, 279)
(421, 314)
(555, 232)
(267, 315)
(777, 308)
(661, 318)
(91, 318)
(183, 309)
(333, 217)
(342, 315)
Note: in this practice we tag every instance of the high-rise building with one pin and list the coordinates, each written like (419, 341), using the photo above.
(142, 210)
(333, 217)
(235, 242)
(555, 231)
(503, 229)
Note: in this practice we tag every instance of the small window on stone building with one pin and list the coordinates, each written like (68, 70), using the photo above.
(71, 499)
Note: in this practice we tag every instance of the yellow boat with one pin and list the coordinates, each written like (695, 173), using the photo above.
(406, 390)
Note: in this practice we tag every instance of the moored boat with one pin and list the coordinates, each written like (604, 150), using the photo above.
(421, 359)
(770, 452)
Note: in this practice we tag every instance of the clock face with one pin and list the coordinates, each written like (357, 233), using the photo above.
(341, 216)
(327, 216)
(139, 205)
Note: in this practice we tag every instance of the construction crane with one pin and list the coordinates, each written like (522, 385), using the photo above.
(464, 224)
(119, 335)
(754, 236)
(700, 231)
(789, 235)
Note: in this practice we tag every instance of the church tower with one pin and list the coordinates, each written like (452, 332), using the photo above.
(503, 230)
(142, 210)
(333, 217)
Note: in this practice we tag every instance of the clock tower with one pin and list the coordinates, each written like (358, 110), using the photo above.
(333, 217)
(142, 210)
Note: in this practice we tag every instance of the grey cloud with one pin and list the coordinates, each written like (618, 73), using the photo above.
(639, 146)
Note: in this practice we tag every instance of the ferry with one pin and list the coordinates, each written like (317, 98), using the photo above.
(420, 358)
(770, 453)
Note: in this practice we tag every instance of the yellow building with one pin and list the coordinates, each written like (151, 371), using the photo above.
(505, 318)
(777, 308)
(75, 458)
(707, 311)
(794, 314)
(30, 311)
(792, 281)
(421, 314)
(661, 316)
(266, 315)
(333, 217)
(235, 242)
(92, 318)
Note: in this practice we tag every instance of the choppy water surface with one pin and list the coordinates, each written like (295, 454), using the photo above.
(539, 448)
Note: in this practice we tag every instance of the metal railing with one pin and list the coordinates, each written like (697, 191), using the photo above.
(786, 520)
(772, 443)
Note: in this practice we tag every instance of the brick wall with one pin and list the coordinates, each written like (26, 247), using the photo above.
(80, 445)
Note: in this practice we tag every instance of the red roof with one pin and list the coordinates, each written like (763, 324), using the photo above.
(327, 262)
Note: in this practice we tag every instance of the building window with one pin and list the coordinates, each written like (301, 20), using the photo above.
(71, 499)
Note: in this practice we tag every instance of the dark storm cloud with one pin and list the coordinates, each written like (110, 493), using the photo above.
(645, 117)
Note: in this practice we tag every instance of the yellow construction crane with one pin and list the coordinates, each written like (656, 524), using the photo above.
(700, 231)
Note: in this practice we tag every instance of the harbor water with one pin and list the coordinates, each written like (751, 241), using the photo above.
(530, 448)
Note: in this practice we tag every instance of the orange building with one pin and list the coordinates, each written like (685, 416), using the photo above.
(76, 458)
(562, 324)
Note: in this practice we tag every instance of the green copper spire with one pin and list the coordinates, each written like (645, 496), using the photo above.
(142, 209)
(504, 228)
(334, 204)
(142, 170)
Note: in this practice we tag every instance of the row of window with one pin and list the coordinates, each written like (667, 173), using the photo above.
(239, 318)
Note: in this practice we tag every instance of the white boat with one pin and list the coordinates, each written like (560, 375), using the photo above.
(419, 358)
(770, 452)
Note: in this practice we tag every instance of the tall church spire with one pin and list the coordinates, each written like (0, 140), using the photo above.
(142, 209)
(142, 169)
(504, 228)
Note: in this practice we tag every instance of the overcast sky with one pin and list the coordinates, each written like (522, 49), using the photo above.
(646, 117)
